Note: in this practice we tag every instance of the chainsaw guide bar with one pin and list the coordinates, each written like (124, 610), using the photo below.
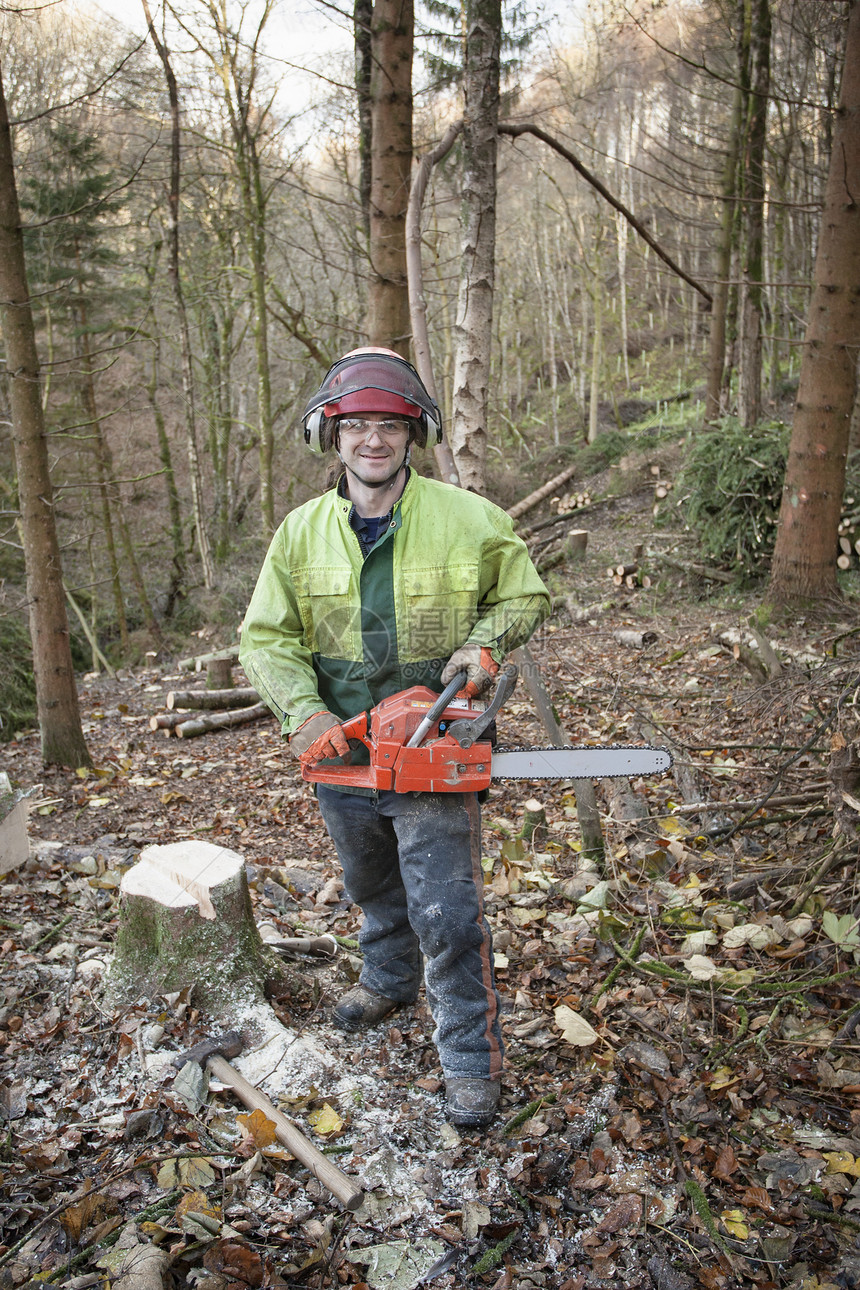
(598, 761)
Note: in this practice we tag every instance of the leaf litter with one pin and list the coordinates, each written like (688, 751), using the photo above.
(680, 1104)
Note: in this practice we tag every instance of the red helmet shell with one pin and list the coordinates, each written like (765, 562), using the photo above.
(372, 400)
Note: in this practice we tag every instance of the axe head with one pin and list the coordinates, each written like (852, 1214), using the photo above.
(227, 1045)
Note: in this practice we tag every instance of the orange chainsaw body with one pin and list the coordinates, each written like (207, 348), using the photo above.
(437, 765)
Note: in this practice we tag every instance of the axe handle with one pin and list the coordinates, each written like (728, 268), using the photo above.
(341, 1186)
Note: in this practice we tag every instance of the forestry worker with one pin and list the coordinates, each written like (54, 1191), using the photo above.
(389, 580)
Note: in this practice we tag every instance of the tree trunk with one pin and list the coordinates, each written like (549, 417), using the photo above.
(417, 301)
(392, 39)
(717, 333)
(179, 300)
(803, 567)
(103, 471)
(362, 21)
(56, 693)
(179, 573)
(752, 162)
(474, 321)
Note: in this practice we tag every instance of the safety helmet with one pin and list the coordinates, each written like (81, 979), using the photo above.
(369, 380)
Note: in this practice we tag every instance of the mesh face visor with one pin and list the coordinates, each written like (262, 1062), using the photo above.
(354, 374)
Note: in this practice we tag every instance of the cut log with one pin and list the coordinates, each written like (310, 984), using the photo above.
(185, 921)
(582, 613)
(843, 562)
(546, 490)
(222, 720)
(699, 570)
(845, 546)
(633, 639)
(213, 700)
(169, 721)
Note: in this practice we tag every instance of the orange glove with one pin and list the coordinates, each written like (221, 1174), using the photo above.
(319, 737)
(478, 664)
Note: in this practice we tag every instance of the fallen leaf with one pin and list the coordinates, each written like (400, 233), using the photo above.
(325, 1120)
(735, 1223)
(752, 934)
(700, 967)
(258, 1129)
(397, 1265)
(574, 1028)
(624, 1214)
(842, 1162)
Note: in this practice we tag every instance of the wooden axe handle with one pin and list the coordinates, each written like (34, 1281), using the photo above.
(341, 1186)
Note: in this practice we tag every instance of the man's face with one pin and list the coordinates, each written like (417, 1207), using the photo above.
(373, 447)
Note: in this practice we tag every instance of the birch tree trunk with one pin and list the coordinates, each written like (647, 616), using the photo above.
(179, 300)
(179, 573)
(56, 692)
(474, 321)
(803, 567)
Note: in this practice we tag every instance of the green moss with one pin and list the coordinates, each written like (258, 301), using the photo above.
(17, 685)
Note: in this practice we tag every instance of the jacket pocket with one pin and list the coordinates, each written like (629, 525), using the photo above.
(328, 612)
(440, 606)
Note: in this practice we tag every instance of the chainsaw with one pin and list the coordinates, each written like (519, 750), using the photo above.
(423, 742)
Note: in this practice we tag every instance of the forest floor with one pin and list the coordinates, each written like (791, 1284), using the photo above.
(680, 1105)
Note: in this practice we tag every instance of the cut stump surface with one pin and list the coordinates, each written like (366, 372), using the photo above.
(186, 922)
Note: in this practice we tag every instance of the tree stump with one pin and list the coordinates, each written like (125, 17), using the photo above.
(14, 840)
(534, 818)
(186, 922)
(219, 673)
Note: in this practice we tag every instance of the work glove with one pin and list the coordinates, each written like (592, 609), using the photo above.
(478, 664)
(319, 737)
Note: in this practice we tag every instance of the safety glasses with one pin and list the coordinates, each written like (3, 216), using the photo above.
(360, 427)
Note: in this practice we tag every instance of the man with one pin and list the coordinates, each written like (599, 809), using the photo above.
(390, 580)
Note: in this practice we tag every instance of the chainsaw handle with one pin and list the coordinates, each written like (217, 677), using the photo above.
(315, 772)
(467, 730)
(437, 708)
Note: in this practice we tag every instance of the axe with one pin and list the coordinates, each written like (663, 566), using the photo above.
(213, 1054)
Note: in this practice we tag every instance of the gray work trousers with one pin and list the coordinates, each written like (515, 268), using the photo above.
(412, 862)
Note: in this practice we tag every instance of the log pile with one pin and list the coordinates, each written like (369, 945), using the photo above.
(629, 573)
(662, 488)
(567, 502)
(197, 712)
(849, 535)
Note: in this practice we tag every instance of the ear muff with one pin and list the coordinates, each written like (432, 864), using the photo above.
(313, 424)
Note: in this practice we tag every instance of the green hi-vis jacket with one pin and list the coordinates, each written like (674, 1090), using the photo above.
(328, 629)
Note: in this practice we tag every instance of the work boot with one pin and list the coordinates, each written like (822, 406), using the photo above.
(361, 1007)
(472, 1103)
